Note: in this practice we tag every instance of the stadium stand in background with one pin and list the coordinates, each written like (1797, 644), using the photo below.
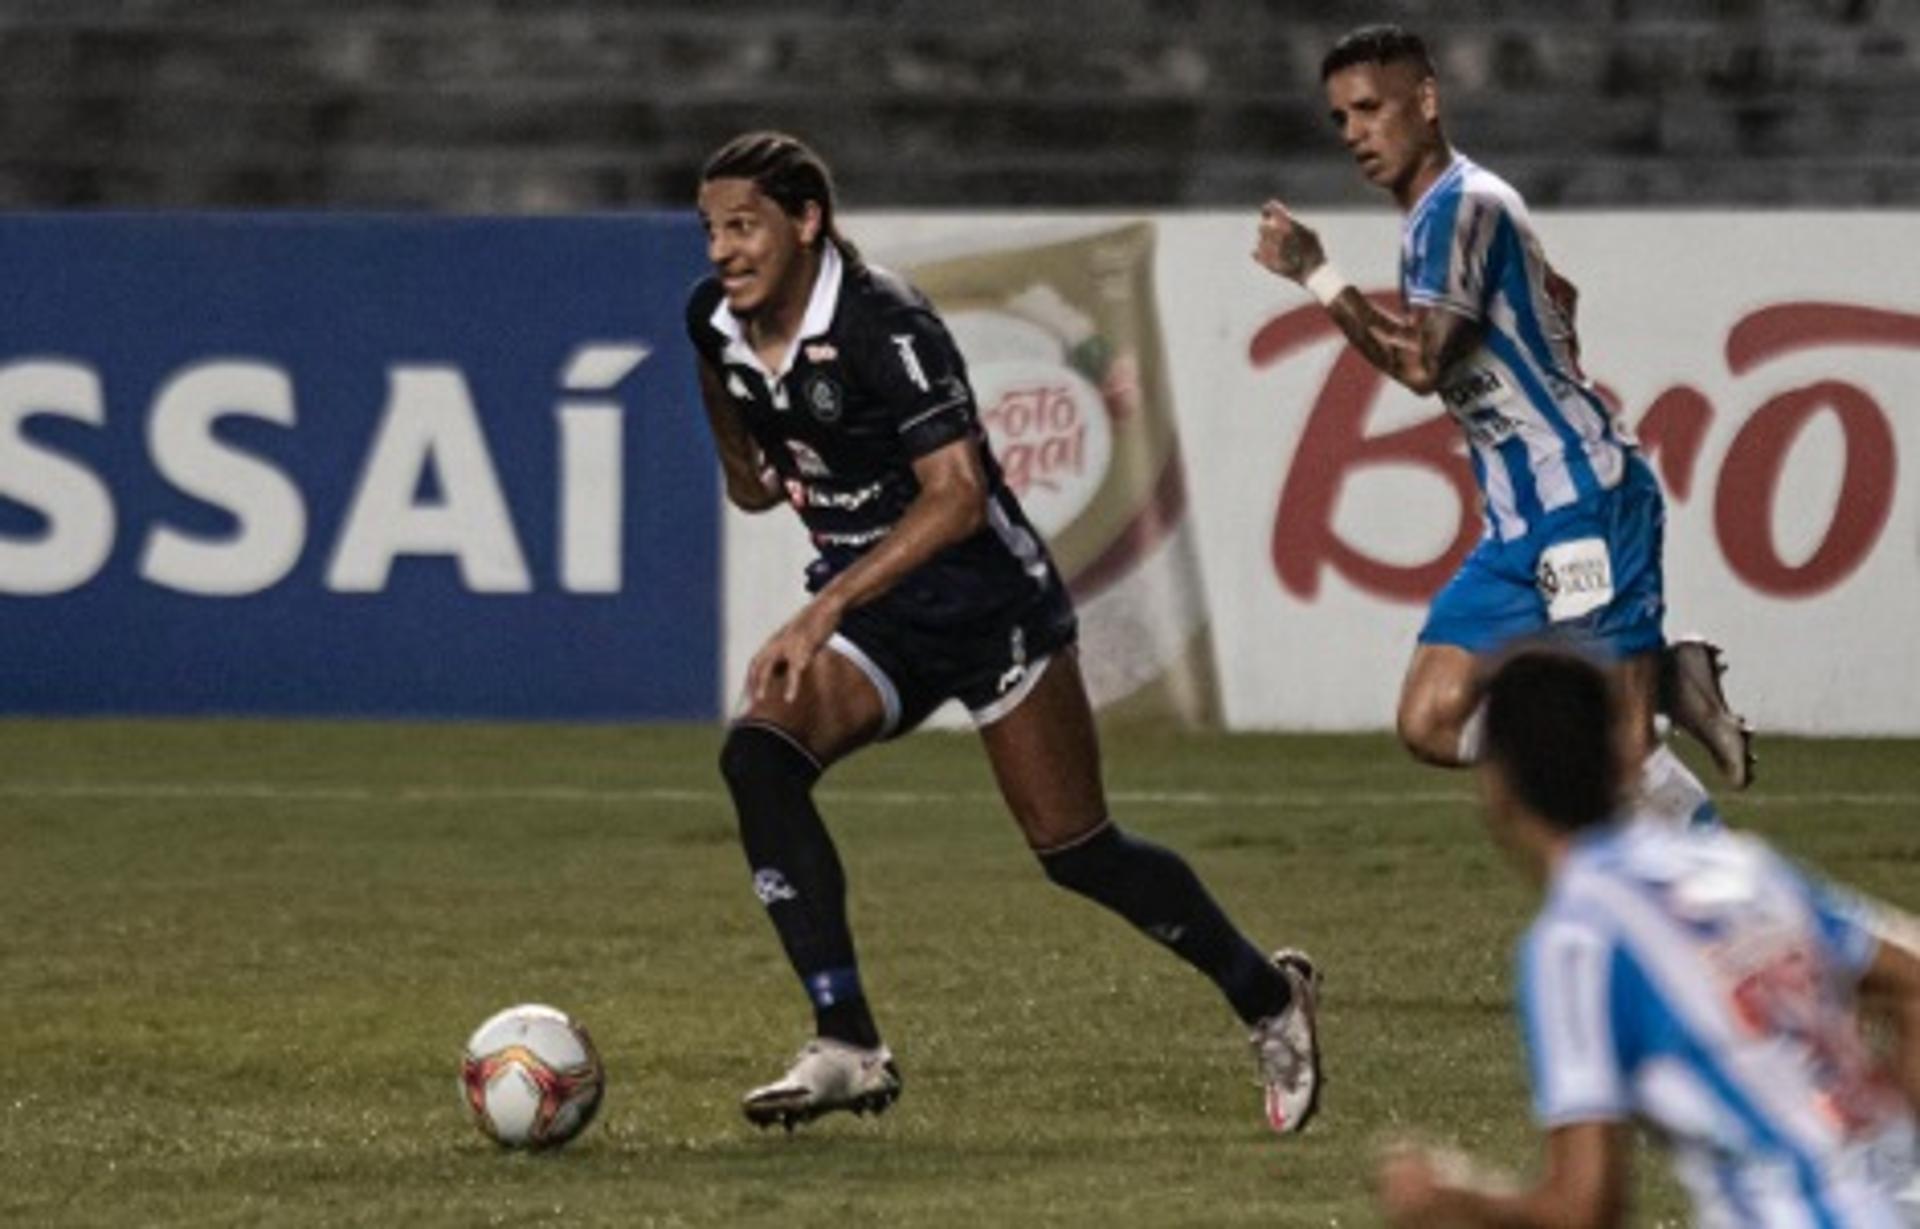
(555, 105)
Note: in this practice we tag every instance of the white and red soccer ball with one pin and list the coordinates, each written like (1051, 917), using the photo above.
(531, 1077)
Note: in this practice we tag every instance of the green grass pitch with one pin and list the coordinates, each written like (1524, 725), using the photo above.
(238, 961)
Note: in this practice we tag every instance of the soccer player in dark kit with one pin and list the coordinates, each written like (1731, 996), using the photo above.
(832, 385)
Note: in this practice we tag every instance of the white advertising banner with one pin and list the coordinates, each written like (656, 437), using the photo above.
(1768, 361)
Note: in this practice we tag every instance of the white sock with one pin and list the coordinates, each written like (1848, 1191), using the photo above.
(1668, 791)
(1473, 734)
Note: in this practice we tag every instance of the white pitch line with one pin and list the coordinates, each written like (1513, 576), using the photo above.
(253, 791)
(249, 791)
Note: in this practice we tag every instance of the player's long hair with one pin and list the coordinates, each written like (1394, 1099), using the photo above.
(788, 172)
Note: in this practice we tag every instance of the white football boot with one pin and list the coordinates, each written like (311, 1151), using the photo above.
(1693, 698)
(827, 1075)
(1287, 1048)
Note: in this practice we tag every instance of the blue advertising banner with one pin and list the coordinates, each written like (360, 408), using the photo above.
(366, 465)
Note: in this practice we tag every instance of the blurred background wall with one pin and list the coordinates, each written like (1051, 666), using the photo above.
(559, 105)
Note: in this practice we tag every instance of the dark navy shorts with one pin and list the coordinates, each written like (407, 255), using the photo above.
(988, 664)
(1589, 573)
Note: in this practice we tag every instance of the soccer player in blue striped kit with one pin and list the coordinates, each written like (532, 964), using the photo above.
(1689, 979)
(1574, 516)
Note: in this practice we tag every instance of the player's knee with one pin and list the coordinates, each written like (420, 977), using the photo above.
(1429, 722)
(756, 759)
(737, 759)
(1086, 864)
(1410, 722)
(1416, 735)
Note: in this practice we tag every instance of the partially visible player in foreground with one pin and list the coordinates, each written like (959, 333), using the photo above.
(1574, 516)
(1693, 980)
(833, 385)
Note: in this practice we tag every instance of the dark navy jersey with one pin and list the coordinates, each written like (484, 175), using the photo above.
(873, 383)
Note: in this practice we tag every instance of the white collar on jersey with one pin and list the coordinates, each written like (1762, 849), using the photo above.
(1457, 164)
(819, 318)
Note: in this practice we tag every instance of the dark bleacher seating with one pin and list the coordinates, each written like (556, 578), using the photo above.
(534, 105)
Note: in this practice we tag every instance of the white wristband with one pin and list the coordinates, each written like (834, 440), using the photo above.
(1326, 283)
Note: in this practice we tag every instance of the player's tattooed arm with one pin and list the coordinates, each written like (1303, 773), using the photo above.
(1565, 297)
(1413, 350)
(752, 486)
(1441, 339)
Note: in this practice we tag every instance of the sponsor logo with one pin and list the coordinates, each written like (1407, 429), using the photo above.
(430, 423)
(770, 886)
(1012, 676)
(821, 352)
(865, 537)
(847, 501)
(1489, 428)
(903, 342)
(1575, 578)
(810, 463)
(1341, 440)
(1476, 384)
(1050, 431)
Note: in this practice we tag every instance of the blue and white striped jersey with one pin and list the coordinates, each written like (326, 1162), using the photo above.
(1697, 981)
(1541, 437)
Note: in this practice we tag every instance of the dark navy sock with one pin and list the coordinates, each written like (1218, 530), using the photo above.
(1155, 889)
(797, 874)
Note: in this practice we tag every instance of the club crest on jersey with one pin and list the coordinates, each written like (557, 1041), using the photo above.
(823, 397)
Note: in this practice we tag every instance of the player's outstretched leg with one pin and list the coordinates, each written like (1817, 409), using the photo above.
(1156, 890)
(1690, 693)
(1045, 756)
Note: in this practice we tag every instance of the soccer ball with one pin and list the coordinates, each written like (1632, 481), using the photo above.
(532, 1077)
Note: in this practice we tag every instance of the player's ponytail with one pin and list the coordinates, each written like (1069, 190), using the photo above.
(787, 172)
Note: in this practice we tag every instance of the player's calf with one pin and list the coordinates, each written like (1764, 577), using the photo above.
(1690, 693)
(797, 874)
